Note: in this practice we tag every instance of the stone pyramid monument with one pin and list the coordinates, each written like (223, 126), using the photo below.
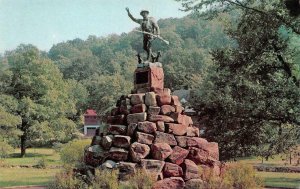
(148, 129)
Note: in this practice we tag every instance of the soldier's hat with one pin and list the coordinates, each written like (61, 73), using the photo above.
(142, 11)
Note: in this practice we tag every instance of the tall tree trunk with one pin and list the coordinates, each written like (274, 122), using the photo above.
(23, 144)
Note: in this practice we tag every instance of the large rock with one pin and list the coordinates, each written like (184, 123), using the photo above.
(139, 151)
(115, 111)
(96, 140)
(182, 141)
(132, 127)
(177, 129)
(172, 170)
(152, 166)
(153, 110)
(147, 127)
(194, 184)
(193, 132)
(167, 109)
(117, 129)
(125, 109)
(164, 118)
(161, 137)
(190, 170)
(137, 99)
(144, 138)
(116, 120)
(178, 155)
(163, 99)
(199, 156)
(160, 125)
(96, 150)
(170, 183)
(108, 164)
(179, 109)
(177, 117)
(139, 108)
(121, 141)
(135, 118)
(150, 99)
(175, 101)
(118, 154)
(106, 141)
(161, 151)
(197, 142)
(126, 170)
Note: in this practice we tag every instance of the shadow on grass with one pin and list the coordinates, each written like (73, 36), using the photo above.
(17, 155)
(283, 182)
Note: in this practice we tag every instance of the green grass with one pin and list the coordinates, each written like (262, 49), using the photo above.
(33, 155)
(274, 161)
(25, 176)
(286, 180)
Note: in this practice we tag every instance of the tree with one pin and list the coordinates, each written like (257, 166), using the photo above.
(250, 100)
(42, 97)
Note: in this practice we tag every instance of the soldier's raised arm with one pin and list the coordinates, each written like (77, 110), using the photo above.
(132, 18)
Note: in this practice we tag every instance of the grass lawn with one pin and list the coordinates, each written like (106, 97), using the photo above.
(33, 155)
(287, 180)
(25, 176)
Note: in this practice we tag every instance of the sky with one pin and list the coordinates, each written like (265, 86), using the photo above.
(47, 22)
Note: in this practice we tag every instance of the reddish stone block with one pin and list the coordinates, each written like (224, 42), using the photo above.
(137, 99)
(163, 99)
(179, 109)
(199, 156)
(172, 170)
(117, 129)
(177, 129)
(193, 132)
(163, 118)
(169, 183)
(190, 170)
(147, 127)
(137, 117)
(150, 99)
(167, 109)
(175, 101)
(152, 166)
(194, 184)
(139, 108)
(139, 151)
(118, 154)
(116, 120)
(161, 137)
(125, 109)
(153, 110)
(178, 118)
(144, 138)
(131, 129)
(160, 125)
(161, 151)
(121, 141)
(126, 170)
(197, 142)
(182, 141)
(178, 155)
(149, 77)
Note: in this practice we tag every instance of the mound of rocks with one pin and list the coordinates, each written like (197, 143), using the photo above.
(148, 129)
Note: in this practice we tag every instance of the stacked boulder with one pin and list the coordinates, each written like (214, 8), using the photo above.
(149, 130)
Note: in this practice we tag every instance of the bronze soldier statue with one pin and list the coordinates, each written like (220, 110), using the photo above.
(151, 29)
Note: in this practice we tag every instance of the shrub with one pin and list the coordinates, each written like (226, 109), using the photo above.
(142, 180)
(235, 176)
(67, 180)
(72, 153)
(105, 179)
(5, 149)
(42, 164)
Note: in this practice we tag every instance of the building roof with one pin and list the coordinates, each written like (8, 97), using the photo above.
(90, 112)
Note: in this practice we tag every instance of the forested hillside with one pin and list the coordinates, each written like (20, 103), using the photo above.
(105, 65)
